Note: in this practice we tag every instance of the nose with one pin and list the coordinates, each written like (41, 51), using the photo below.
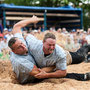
(22, 45)
(52, 47)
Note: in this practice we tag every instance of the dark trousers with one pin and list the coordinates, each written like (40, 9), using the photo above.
(80, 55)
(77, 58)
(75, 76)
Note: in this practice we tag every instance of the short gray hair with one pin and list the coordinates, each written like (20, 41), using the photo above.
(12, 41)
(49, 35)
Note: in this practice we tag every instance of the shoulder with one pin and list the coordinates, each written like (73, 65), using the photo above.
(33, 41)
(60, 51)
(29, 36)
(14, 58)
(20, 61)
(18, 35)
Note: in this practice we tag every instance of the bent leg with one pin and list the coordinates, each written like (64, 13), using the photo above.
(80, 55)
(76, 59)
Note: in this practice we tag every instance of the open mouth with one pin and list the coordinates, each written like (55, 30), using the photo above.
(51, 50)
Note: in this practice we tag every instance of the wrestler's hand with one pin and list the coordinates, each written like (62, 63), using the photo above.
(41, 75)
(36, 19)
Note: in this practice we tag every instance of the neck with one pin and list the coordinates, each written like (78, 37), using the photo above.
(26, 53)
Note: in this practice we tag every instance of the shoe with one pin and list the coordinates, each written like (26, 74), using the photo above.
(87, 76)
(87, 47)
(87, 58)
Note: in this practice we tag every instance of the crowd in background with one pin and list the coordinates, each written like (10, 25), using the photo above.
(69, 40)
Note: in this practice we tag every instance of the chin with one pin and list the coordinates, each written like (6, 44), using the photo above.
(50, 52)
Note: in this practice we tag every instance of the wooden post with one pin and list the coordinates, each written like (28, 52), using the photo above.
(45, 20)
(4, 19)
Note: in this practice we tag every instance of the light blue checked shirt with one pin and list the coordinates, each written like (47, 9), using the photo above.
(22, 64)
(57, 58)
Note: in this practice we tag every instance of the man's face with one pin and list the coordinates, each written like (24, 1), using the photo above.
(49, 46)
(19, 48)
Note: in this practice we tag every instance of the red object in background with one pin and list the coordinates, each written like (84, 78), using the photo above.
(1, 35)
(84, 42)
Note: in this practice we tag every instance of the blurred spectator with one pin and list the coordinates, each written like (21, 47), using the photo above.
(52, 28)
(30, 30)
(88, 38)
(8, 33)
(5, 43)
(5, 31)
(69, 45)
(63, 30)
(76, 44)
(1, 28)
(88, 31)
(39, 30)
(59, 30)
(1, 35)
(42, 28)
(83, 40)
(72, 34)
(1, 39)
(5, 48)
